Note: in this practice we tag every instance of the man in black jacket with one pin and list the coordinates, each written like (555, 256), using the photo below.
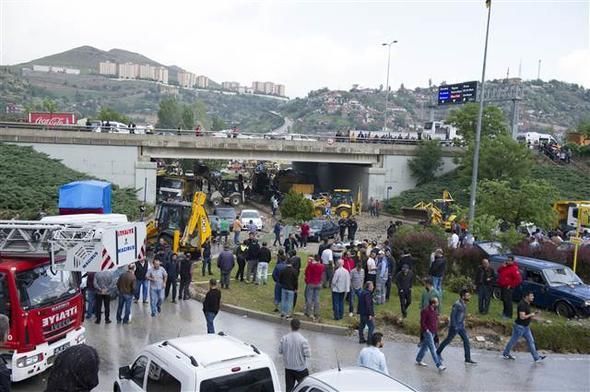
(264, 257)
(437, 270)
(290, 243)
(172, 268)
(141, 283)
(289, 282)
(252, 257)
(352, 228)
(186, 269)
(4, 371)
(404, 281)
(342, 225)
(211, 305)
(484, 281)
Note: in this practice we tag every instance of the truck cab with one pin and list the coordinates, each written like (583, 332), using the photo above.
(45, 309)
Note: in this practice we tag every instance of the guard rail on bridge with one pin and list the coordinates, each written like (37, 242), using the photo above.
(329, 139)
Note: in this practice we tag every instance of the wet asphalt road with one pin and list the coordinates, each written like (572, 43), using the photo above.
(117, 345)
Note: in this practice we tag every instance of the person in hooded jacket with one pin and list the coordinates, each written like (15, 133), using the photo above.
(508, 279)
(74, 370)
(438, 269)
(186, 268)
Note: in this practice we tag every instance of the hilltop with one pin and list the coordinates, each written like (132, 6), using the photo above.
(547, 106)
(86, 58)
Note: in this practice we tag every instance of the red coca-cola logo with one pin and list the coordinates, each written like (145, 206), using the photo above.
(52, 118)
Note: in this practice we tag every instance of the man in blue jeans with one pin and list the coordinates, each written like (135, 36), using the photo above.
(126, 288)
(521, 327)
(90, 295)
(211, 305)
(157, 276)
(366, 313)
(428, 331)
(457, 326)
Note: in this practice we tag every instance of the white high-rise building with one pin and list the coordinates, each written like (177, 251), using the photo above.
(107, 68)
(202, 81)
(147, 71)
(231, 86)
(128, 71)
(161, 75)
(279, 90)
(186, 79)
(258, 87)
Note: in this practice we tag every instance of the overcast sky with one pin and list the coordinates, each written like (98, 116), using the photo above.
(312, 44)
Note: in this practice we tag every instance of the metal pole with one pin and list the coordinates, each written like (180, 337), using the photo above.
(478, 129)
(387, 86)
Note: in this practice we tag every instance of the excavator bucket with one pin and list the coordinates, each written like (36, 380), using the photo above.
(418, 214)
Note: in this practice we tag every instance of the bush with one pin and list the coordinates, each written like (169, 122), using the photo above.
(296, 206)
(421, 242)
(548, 251)
(464, 261)
(458, 283)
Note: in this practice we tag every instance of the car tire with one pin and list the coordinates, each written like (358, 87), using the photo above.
(496, 293)
(564, 309)
(216, 202)
(235, 201)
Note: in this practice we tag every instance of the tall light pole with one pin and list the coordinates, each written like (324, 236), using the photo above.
(387, 82)
(479, 119)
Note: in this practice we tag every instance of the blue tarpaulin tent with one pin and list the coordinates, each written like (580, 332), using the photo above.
(85, 196)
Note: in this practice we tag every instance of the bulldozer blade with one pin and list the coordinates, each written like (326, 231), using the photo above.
(419, 214)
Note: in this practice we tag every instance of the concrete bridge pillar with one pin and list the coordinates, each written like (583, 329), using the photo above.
(375, 187)
(145, 180)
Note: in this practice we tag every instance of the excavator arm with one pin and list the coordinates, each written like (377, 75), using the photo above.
(198, 220)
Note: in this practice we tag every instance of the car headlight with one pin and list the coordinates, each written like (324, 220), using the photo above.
(587, 302)
(28, 361)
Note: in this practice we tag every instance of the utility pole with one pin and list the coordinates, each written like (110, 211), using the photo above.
(387, 82)
(479, 120)
(539, 70)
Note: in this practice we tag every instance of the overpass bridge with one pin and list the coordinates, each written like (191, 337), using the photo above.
(126, 159)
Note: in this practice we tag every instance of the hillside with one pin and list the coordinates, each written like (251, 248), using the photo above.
(546, 106)
(86, 58)
(30, 181)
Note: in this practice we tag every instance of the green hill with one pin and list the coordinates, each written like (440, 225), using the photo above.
(86, 58)
(30, 182)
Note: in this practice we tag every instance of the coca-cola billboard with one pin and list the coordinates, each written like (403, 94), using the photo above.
(52, 118)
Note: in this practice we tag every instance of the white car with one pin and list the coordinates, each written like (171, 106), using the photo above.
(251, 215)
(351, 379)
(199, 363)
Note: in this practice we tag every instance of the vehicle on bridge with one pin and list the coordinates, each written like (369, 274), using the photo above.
(556, 286)
(199, 363)
(40, 274)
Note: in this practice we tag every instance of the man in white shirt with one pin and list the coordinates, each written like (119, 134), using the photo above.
(372, 268)
(454, 241)
(340, 286)
(372, 357)
(328, 262)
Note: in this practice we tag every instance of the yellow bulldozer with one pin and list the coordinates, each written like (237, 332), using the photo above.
(342, 203)
(185, 226)
(438, 212)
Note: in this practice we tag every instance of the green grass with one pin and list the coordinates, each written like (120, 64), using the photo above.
(558, 335)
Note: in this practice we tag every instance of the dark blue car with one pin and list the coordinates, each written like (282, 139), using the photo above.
(556, 286)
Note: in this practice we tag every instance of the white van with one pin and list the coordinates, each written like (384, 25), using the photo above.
(535, 138)
(199, 363)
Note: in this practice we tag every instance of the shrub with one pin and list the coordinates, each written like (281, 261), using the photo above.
(464, 261)
(297, 207)
(548, 251)
(459, 282)
(420, 242)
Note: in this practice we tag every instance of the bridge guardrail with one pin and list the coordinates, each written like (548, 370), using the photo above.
(329, 139)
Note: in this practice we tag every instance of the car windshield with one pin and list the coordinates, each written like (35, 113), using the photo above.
(561, 276)
(225, 213)
(491, 248)
(170, 183)
(250, 215)
(39, 287)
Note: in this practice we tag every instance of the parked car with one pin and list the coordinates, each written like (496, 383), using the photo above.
(225, 213)
(199, 363)
(320, 229)
(556, 286)
(351, 379)
(251, 215)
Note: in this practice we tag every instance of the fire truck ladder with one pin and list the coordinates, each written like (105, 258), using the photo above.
(53, 240)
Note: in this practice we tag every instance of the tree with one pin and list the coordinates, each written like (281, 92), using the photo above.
(427, 162)
(188, 118)
(526, 201)
(49, 105)
(465, 119)
(201, 115)
(501, 158)
(169, 114)
(218, 124)
(108, 114)
(297, 207)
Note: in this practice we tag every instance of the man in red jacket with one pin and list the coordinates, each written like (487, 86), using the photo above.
(313, 284)
(508, 278)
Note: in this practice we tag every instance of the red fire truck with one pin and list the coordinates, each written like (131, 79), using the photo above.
(40, 267)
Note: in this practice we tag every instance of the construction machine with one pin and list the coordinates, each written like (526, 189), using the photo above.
(438, 212)
(228, 191)
(343, 203)
(185, 226)
(568, 215)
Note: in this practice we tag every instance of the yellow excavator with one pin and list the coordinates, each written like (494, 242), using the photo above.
(438, 212)
(185, 226)
(342, 203)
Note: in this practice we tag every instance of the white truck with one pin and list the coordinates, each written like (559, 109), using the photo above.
(535, 139)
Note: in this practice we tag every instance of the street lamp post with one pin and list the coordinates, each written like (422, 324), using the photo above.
(388, 189)
(387, 81)
(479, 120)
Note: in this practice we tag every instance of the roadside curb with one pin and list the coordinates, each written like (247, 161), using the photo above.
(315, 327)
